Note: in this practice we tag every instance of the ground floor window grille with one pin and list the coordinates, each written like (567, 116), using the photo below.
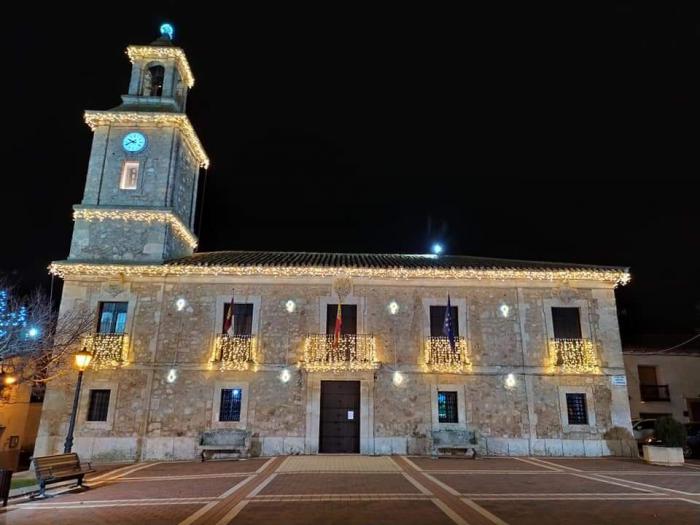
(577, 409)
(447, 407)
(98, 406)
(230, 408)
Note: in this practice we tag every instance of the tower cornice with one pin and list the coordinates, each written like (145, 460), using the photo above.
(178, 120)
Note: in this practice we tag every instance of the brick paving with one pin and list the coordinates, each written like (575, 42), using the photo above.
(366, 490)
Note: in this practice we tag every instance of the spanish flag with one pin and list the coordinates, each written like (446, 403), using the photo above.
(338, 326)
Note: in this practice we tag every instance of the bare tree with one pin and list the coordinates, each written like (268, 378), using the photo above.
(36, 343)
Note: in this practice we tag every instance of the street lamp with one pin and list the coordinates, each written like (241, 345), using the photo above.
(82, 360)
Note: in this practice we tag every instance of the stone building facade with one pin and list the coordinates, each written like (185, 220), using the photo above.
(533, 367)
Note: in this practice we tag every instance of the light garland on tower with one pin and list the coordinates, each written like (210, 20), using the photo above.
(613, 277)
(236, 352)
(150, 216)
(574, 355)
(108, 350)
(131, 118)
(163, 53)
(440, 357)
(351, 352)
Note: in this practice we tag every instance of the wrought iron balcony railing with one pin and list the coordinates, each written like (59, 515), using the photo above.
(441, 357)
(574, 355)
(654, 392)
(350, 352)
(109, 350)
(234, 352)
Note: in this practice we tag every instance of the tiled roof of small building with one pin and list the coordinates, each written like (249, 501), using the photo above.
(371, 260)
(663, 344)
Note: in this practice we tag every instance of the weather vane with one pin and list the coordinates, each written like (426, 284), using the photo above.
(167, 29)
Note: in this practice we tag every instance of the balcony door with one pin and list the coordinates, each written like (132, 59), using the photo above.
(339, 429)
(349, 314)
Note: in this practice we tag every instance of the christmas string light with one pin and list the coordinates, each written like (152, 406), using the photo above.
(235, 352)
(440, 357)
(10, 319)
(351, 352)
(149, 216)
(163, 53)
(132, 118)
(613, 277)
(574, 355)
(108, 350)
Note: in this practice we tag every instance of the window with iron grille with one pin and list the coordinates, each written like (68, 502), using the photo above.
(447, 407)
(242, 318)
(230, 408)
(566, 323)
(437, 320)
(99, 405)
(576, 409)
(112, 317)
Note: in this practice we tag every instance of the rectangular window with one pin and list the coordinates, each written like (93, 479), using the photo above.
(130, 175)
(576, 409)
(447, 407)
(349, 317)
(112, 317)
(230, 408)
(99, 405)
(566, 323)
(647, 375)
(437, 320)
(242, 318)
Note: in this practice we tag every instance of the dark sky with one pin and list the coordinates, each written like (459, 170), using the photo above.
(564, 135)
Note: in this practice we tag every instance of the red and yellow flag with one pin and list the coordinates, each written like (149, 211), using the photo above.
(338, 325)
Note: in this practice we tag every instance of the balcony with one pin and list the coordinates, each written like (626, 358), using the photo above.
(574, 355)
(440, 357)
(109, 350)
(654, 392)
(234, 352)
(350, 352)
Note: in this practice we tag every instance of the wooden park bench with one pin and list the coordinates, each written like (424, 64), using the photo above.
(231, 440)
(453, 440)
(59, 467)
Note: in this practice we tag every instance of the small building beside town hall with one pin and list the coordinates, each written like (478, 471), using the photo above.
(528, 356)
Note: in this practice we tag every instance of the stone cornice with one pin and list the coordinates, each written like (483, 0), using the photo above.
(178, 120)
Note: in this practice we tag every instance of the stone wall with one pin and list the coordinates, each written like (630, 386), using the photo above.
(152, 418)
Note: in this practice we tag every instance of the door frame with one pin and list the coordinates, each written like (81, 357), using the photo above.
(313, 408)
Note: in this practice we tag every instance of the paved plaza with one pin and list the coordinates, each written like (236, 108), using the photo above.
(362, 490)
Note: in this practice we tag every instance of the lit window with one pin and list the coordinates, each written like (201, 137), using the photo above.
(130, 175)
(447, 407)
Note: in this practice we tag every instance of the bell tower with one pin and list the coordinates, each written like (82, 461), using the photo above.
(141, 188)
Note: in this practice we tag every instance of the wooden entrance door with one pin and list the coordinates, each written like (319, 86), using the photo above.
(340, 417)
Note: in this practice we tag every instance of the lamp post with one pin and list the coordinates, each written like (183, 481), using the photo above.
(82, 360)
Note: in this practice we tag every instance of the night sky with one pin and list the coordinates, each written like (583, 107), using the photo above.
(531, 134)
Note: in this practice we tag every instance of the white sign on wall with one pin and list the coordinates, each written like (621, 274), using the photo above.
(619, 380)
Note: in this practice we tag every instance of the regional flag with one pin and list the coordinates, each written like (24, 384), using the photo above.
(448, 328)
(228, 318)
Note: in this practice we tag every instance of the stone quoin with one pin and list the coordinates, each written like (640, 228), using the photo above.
(526, 366)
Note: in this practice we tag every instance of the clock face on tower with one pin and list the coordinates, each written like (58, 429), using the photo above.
(134, 142)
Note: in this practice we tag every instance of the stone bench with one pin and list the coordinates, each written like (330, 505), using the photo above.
(453, 440)
(231, 440)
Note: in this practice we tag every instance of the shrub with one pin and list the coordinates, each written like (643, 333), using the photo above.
(669, 432)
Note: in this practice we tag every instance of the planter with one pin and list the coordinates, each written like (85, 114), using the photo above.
(668, 456)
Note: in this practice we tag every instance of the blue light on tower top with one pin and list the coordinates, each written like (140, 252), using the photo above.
(437, 248)
(167, 30)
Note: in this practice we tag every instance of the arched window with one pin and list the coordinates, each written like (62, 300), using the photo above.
(153, 81)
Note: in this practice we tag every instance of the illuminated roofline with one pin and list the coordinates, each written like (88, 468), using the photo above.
(179, 120)
(163, 53)
(613, 277)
